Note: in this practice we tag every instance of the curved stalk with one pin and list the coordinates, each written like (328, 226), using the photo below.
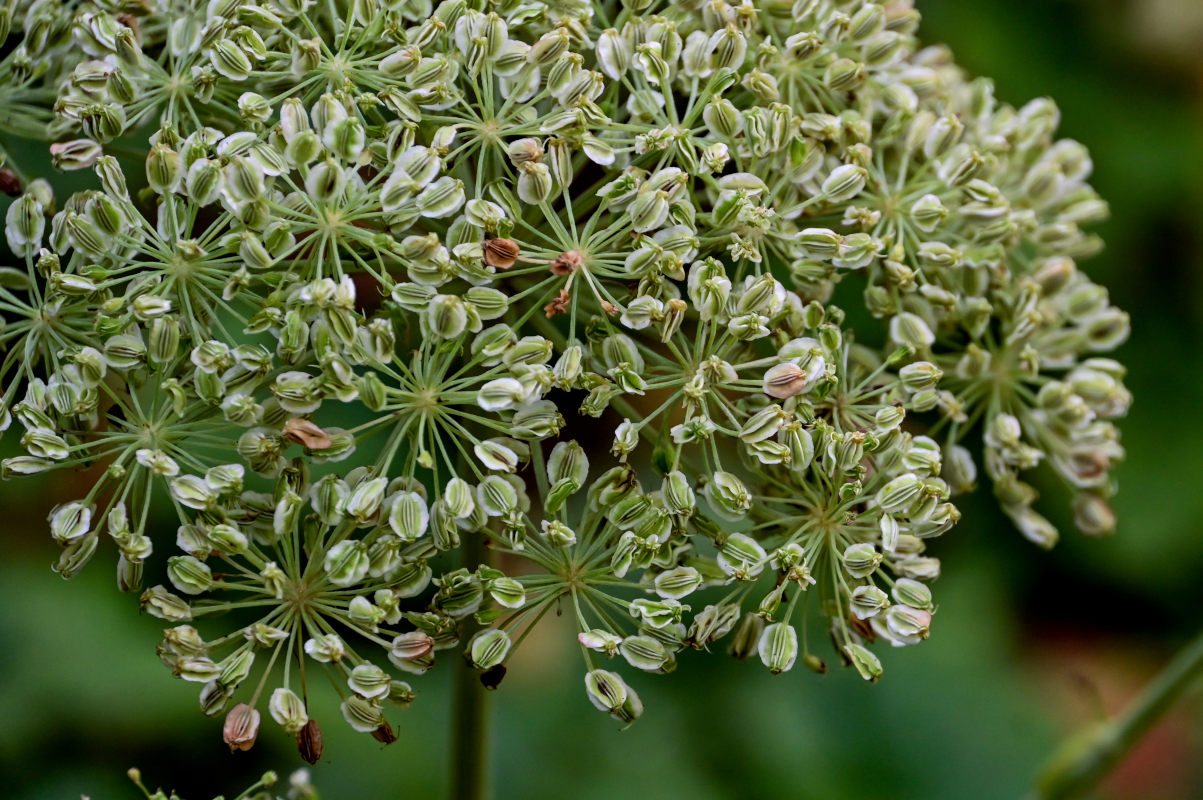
(1086, 759)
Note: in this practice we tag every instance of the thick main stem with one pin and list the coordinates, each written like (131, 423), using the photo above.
(469, 748)
(1084, 761)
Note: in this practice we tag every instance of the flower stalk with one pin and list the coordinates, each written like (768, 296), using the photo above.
(1087, 758)
(470, 743)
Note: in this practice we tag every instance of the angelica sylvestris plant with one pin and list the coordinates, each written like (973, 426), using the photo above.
(425, 322)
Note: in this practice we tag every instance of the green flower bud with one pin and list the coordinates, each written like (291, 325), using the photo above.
(460, 594)
(160, 603)
(198, 669)
(861, 559)
(346, 563)
(507, 592)
(76, 554)
(488, 303)
(489, 648)
(204, 181)
(907, 625)
(46, 444)
(778, 647)
(236, 668)
(558, 533)
(711, 624)
(741, 557)
(189, 575)
(288, 710)
(864, 660)
(228, 540)
(214, 697)
(909, 330)
(362, 715)
(538, 420)
(867, 601)
(1033, 526)
(844, 75)
(408, 516)
(364, 502)
(369, 681)
(677, 582)
(102, 121)
(912, 593)
(443, 528)
(649, 210)
(747, 636)
(800, 47)
(163, 169)
(568, 460)
(728, 496)
(401, 63)
(762, 84)
(614, 54)
(608, 692)
(844, 183)
(496, 496)
(819, 242)
(345, 138)
(458, 499)
(193, 492)
(441, 198)
(229, 60)
(70, 521)
(326, 648)
(645, 653)
(678, 493)
(25, 223)
(762, 425)
(656, 613)
(500, 394)
(723, 118)
(920, 376)
(75, 154)
(496, 456)
(1092, 515)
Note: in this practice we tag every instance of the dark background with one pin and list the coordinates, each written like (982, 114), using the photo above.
(1027, 647)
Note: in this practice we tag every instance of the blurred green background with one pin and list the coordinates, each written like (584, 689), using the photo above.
(1027, 647)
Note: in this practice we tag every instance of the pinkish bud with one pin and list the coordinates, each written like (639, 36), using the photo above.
(241, 728)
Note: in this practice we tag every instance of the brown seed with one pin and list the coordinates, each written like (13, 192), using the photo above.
(304, 432)
(609, 307)
(10, 184)
(241, 728)
(491, 678)
(131, 22)
(566, 263)
(501, 253)
(559, 305)
(384, 734)
(309, 742)
(862, 627)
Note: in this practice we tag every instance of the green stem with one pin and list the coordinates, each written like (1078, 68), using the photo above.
(1085, 759)
(470, 752)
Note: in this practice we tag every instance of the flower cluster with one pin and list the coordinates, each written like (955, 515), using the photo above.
(428, 321)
